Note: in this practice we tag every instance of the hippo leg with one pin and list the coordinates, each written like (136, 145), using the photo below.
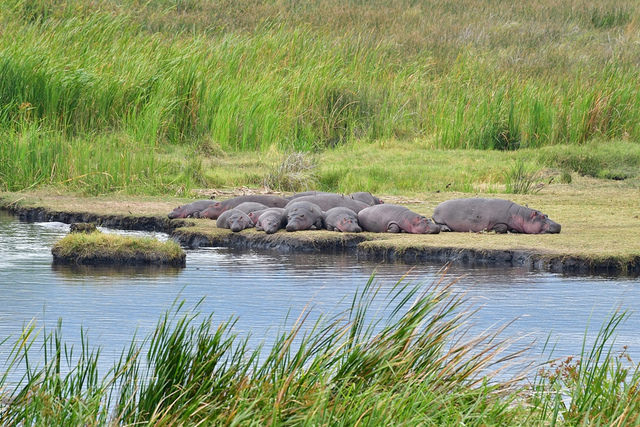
(393, 228)
(500, 228)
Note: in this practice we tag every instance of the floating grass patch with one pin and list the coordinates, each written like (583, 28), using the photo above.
(112, 249)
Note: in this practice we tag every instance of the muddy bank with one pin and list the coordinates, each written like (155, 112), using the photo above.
(366, 246)
(121, 222)
(556, 263)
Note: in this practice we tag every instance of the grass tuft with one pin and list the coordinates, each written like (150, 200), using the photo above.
(520, 179)
(297, 172)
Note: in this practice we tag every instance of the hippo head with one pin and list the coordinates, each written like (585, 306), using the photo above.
(213, 211)
(238, 221)
(178, 212)
(299, 219)
(422, 225)
(537, 223)
(270, 223)
(348, 225)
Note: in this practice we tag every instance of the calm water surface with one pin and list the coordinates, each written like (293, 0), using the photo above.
(262, 288)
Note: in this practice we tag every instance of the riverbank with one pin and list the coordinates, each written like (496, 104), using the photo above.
(597, 221)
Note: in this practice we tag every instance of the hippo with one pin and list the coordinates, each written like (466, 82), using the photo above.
(366, 197)
(499, 215)
(328, 201)
(303, 215)
(308, 193)
(341, 219)
(256, 214)
(214, 211)
(271, 220)
(191, 209)
(234, 219)
(395, 219)
(248, 207)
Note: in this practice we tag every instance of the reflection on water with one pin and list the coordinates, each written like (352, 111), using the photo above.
(102, 273)
(262, 288)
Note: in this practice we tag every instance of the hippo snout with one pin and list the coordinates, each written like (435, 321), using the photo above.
(292, 227)
(553, 227)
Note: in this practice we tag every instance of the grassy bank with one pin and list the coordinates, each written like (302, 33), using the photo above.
(419, 367)
(129, 82)
(597, 217)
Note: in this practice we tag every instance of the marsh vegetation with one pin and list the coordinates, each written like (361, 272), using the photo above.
(151, 97)
(419, 365)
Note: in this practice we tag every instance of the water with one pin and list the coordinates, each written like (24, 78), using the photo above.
(262, 288)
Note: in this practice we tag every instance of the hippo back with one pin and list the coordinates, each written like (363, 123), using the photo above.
(329, 201)
(366, 197)
(191, 209)
(248, 207)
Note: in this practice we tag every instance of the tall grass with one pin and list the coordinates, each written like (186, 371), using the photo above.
(251, 75)
(31, 157)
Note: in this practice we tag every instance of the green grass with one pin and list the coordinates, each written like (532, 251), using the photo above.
(420, 365)
(132, 78)
(113, 249)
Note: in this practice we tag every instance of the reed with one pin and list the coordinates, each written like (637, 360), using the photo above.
(416, 363)
(249, 76)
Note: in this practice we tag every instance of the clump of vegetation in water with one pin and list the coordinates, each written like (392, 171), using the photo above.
(414, 365)
(112, 249)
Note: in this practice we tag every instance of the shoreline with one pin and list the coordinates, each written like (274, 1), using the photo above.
(366, 246)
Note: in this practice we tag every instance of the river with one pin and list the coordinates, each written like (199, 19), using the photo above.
(263, 288)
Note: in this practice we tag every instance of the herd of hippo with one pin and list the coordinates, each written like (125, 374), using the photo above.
(362, 211)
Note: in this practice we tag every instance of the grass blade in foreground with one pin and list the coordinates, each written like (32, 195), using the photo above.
(405, 356)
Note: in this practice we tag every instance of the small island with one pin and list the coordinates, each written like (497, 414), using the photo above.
(111, 249)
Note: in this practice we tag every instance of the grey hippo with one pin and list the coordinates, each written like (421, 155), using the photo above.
(248, 207)
(341, 219)
(328, 201)
(499, 215)
(303, 215)
(366, 197)
(361, 196)
(191, 209)
(270, 220)
(388, 218)
(214, 211)
(234, 219)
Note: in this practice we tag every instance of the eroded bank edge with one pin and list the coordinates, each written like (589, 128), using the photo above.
(358, 245)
